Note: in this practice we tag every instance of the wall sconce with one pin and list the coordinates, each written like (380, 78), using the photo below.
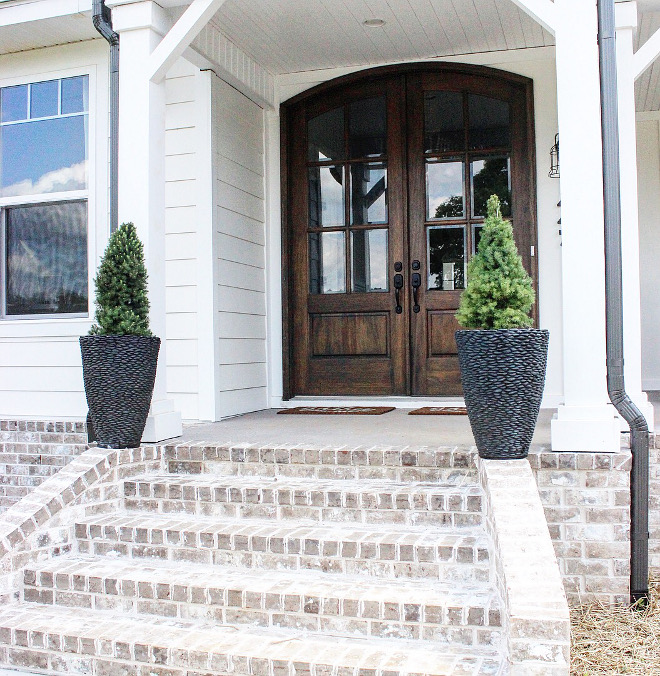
(554, 159)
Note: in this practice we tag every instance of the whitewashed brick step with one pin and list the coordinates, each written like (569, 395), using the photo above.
(381, 550)
(467, 615)
(454, 504)
(400, 464)
(52, 639)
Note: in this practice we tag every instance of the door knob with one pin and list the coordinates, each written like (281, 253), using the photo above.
(416, 283)
(398, 285)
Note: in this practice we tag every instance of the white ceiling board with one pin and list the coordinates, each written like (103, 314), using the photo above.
(46, 33)
(289, 36)
(647, 87)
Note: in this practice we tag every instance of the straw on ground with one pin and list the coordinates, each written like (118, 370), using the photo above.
(616, 641)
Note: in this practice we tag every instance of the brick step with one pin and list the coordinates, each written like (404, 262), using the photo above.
(398, 464)
(82, 641)
(381, 550)
(310, 600)
(455, 504)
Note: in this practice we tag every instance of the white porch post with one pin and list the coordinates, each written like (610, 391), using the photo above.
(141, 26)
(585, 422)
(626, 23)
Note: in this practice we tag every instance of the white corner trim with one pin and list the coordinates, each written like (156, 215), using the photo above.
(644, 57)
(542, 11)
(179, 37)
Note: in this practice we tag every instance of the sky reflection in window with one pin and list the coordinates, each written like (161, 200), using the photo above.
(43, 145)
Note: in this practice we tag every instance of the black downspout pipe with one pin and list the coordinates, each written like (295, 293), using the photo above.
(103, 24)
(639, 431)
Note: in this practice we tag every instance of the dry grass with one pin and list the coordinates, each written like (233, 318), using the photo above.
(616, 641)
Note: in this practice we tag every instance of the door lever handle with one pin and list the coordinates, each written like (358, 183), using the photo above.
(398, 285)
(416, 283)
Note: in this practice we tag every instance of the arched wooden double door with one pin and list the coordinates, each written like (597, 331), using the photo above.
(386, 176)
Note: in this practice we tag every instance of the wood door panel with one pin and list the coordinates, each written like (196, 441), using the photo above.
(350, 335)
(441, 327)
(357, 375)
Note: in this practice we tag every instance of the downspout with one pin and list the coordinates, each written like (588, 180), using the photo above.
(103, 24)
(639, 431)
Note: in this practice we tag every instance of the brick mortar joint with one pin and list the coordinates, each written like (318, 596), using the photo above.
(535, 629)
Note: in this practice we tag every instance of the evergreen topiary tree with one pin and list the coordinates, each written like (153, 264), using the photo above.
(122, 304)
(499, 293)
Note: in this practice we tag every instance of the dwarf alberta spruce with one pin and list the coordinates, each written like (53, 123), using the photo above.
(499, 293)
(122, 303)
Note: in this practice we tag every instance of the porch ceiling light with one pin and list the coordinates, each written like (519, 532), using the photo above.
(374, 23)
(554, 159)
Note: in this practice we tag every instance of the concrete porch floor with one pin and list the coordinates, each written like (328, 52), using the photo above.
(395, 428)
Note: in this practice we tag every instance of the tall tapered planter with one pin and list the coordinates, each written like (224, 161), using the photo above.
(503, 374)
(119, 374)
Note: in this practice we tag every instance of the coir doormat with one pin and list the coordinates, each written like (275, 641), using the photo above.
(337, 410)
(440, 410)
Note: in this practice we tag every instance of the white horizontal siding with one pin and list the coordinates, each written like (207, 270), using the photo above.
(181, 238)
(239, 215)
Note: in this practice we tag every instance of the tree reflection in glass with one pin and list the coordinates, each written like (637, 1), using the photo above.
(490, 176)
(446, 252)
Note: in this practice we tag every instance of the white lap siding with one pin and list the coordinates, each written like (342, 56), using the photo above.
(182, 225)
(239, 252)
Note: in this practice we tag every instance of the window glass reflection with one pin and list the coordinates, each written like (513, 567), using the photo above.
(43, 156)
(444, 190)
(13, 103)
(325, 136)
(44, 99)
(490, 176)
(367, 128)
(369, 260)
(326, 197)
(476, 237)
(446, 258)
(47, 259)
(74, 95)
(327, 262)
(489, 122)
(368, 193)
(443, 122)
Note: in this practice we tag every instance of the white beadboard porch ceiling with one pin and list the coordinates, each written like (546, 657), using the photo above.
(647, 88)
(288, 36)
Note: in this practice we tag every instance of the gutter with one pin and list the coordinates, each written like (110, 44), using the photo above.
(639, 431)
(101, 18)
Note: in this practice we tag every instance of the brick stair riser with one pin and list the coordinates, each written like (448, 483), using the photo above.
(147, 660)
(399, 465)
(452, 510)
(111, 649)
(449, 520)
(451, 623)
(460, 563)
(400, 474)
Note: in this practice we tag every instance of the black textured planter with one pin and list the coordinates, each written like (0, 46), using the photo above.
(503, 373)
(119, 374)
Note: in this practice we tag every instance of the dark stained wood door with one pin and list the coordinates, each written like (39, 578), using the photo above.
(385, 182)
(468, 138)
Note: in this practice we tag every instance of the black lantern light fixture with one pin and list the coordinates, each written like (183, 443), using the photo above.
(554, 159)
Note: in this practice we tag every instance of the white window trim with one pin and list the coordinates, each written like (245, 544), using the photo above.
(44, 198)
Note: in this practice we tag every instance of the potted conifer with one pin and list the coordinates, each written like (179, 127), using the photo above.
(120, 354)
(502, 360)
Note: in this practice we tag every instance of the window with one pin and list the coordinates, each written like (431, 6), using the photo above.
(44, 185)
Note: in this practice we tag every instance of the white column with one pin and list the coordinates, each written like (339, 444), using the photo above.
(626, 23)
(585, 422)
(141, 26)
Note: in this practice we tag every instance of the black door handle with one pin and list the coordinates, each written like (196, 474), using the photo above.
(398, 285)
(416, 283)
